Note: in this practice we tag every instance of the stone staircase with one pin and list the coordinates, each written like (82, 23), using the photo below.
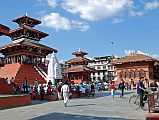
(19, 71)
(9, 70)
(30, 73)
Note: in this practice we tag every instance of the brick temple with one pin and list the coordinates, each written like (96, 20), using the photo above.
(25, 56)
(135, 66)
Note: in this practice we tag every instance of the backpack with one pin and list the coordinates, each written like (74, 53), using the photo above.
(121, 86)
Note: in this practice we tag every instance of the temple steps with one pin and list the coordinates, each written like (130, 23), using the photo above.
(19, 71)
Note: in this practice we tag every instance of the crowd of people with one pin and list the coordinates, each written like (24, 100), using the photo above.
(65, 90)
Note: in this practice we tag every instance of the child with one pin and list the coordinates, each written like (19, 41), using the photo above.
(112, 89)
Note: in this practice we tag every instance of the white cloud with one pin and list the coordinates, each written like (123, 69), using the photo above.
(116, 20)
(52, 3)
(93, 10)
(83, 26)
(127, 52)
(56, 21)
(152, 5)
(136, 13)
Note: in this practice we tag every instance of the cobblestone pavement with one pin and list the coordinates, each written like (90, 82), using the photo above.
(102, 107)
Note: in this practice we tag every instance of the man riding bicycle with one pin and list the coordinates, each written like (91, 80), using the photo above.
(141, 91)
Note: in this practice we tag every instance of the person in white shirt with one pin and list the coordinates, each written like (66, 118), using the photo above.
(65, 91)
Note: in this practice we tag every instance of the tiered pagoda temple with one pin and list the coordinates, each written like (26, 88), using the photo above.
(25, 56)
(134, 66)
(78, 72)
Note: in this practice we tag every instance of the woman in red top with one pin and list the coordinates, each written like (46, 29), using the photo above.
(112, 89)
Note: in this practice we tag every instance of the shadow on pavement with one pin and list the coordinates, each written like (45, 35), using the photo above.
(35, 102)
(62, 116)
(81, 105)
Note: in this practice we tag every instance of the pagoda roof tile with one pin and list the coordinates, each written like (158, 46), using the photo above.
(134, 58)
(78, 59)
(79, 53)
(4, 29)
(78, 68)
(29, 28)
(36, 22)
(24, 43)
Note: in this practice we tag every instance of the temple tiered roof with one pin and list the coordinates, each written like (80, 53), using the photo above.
(25, 20)
(26, 30)
(36, 47)
(79, 68)
(79, 53)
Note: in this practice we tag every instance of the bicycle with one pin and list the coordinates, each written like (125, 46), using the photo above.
(134, 101)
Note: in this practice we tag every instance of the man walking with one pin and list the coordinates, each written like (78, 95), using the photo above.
(121, 88)
(65, 91)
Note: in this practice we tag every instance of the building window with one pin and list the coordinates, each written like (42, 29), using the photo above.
(104, 67)
(98, 67)
(128, 74)
(76, 77)
(109, 67)
(122, 74)
(98, 73)
(142, 73)
(137, 74)
(132, 73)
(80, 76)
(99, 79)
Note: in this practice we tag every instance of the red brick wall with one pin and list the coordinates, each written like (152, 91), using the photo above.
(14, 101)
(5, 89)
(135, 66)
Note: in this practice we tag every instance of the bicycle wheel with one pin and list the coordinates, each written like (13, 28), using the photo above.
(134, 102)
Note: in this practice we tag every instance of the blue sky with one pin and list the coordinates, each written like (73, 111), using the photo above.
(90, 25)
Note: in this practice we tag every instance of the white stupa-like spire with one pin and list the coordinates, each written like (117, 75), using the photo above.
(79, 50)
(54, 69)
(26, 14)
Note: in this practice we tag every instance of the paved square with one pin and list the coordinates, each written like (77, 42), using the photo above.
(102, 107)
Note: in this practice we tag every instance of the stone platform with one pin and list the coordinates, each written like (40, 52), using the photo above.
(9, 101)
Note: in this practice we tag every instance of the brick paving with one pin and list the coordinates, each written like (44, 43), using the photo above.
(102, 107)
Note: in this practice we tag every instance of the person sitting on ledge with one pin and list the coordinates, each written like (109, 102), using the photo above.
(5, 81)
(42, 92)
(35, 93)
(49, 90)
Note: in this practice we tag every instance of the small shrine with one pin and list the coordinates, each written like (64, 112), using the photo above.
(25, 56)
(78, 72)
(132, 67)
